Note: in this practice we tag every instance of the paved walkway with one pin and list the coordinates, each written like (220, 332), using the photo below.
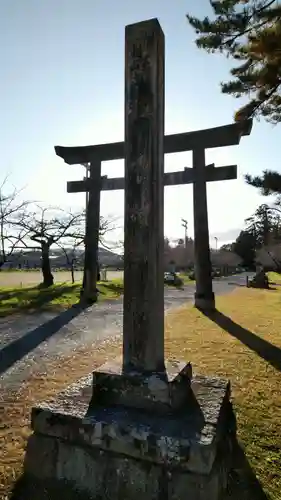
(27, 341)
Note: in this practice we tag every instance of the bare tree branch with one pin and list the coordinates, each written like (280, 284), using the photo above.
(10, 207)
(47, 226)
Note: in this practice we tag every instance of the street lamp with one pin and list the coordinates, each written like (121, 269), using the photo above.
(216, 240)
(184, 224)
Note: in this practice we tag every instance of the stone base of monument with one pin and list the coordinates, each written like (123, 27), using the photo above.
(86, 447)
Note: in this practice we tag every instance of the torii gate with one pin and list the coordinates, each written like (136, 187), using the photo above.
(197, 142)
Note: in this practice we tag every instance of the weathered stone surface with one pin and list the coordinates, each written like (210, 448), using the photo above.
(105, 475)
(143, 324)
(41, 456)
(188, 439)
(72, 402)
(94, 474)
(160, 392)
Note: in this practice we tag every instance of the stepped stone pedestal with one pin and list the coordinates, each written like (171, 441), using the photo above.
(144, 438)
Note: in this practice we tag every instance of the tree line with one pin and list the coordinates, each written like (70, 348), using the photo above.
(182, 256)
(260, 238)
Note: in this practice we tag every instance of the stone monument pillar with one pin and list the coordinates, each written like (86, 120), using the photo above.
(143, 334)
(140, 428)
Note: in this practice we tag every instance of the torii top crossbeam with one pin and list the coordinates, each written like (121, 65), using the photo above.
(226, 135)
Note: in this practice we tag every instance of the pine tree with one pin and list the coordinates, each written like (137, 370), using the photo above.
(268, 184)
(245, 247)
(249, 31)
(264, 225)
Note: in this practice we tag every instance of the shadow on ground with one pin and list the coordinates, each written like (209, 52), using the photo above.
(242, 485)
(117, 288)
(242, 481)
(32, 298)
(256, 287)
(269, 352)
(19, 348)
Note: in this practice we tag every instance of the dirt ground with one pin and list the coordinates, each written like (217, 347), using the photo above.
(25, 278)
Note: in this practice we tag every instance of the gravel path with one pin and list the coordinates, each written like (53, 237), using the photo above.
(28, 342)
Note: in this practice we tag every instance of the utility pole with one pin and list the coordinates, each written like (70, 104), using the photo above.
(184, 224)
(87, 166)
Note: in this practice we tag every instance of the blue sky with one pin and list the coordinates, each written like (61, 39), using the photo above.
(62, 66)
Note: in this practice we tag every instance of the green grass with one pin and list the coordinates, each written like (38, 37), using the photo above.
(185, 278)
(56, 297)
(245, 347)
(25, 270)
(274, 277)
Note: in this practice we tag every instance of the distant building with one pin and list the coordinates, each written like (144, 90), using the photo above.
(32, 259)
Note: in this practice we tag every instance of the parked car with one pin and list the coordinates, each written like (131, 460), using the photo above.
(6, 265)
(172, 279)
(216, 273)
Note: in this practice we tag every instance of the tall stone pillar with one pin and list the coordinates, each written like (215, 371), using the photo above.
(143, 335)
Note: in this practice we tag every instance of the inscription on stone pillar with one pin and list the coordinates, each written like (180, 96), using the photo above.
(144, 185)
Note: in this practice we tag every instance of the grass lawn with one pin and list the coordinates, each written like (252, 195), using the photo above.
(186, 279)
(274, 277)
(241, 341)
(56, 297)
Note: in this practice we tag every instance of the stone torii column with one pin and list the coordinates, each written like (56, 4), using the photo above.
(204, 295)
(89, 287)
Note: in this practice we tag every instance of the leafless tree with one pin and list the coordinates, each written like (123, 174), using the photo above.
(180, 255)
(107, 224)
(70, 245)
(10, 207)
(225, 259)
(70, 253)
(46, 227)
